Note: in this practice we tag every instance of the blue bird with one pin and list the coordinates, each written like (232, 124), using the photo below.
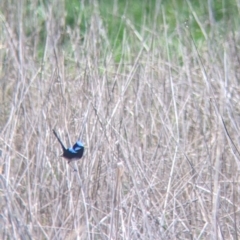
(72, 153)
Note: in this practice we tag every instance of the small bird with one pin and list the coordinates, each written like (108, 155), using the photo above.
(72, 153)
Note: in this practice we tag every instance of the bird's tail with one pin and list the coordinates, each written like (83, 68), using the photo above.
(63, 147)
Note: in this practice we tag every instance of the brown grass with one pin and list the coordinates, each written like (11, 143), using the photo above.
(160, 129)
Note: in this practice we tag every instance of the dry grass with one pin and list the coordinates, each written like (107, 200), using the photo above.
(160, 127)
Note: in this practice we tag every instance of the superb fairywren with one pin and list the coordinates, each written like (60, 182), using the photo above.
(72, 153)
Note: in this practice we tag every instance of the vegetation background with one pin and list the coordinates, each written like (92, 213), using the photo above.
(151, 88)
